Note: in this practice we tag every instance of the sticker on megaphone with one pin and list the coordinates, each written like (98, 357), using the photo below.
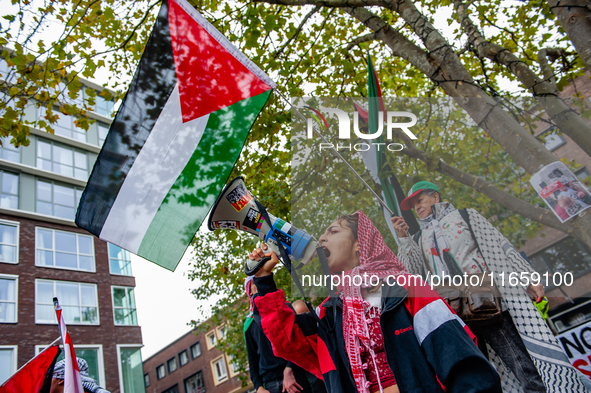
(237, 209)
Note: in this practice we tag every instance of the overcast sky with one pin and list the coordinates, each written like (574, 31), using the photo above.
(164, 303)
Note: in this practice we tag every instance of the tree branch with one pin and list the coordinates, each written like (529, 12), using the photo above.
(551, 54)
(565, 118)
(361, 39)
(298, 31)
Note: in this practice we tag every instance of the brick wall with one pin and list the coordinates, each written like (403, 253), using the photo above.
(201, 363)
(26, 333)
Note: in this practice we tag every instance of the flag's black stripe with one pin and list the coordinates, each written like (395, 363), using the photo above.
(150, 88)
(409, 217)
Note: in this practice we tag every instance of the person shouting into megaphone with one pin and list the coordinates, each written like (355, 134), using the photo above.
(387, 334)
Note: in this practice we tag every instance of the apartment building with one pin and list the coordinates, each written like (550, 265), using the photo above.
(193, 364)
(44, 254)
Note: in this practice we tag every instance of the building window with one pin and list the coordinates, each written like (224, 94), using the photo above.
(65, 125)
(183, 358)
(147, 379)
(9, 234)
(222, 332)
(174, 389)
(65, 250)
(160, 372)
(119, 260)
(93, 354)
(61, 159)
(195, 383)
(211, 340)
(8, 152)
(233, 366)
(124, 306)
(104, 107)
(103, 130)
(567, 255)
(9, 193)
(79, 302)
(171, 364)
(551, 140)
(195, 350)
(56, 200)
(8, 298)
(7, 362)
(219, 370)
(131, 369)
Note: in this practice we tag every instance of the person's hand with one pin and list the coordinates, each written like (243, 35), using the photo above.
(262, 390)
(400, 226)
(289, 382)
(259, 253)
(537, 291)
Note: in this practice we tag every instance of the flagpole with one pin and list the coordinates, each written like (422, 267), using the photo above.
(384, 205)
(30, 360)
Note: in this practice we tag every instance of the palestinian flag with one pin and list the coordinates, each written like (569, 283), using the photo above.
(375, 161)
(175, 139)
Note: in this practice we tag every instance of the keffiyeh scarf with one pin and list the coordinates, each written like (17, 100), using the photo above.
(375, 259)
(89, 384)
(434, 234)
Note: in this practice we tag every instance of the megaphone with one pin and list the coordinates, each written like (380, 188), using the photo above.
(236, 208)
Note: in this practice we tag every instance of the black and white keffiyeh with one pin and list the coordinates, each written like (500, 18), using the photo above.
(89, 384)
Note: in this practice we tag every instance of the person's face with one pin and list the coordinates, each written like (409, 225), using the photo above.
(340, 247)
(253, 288)
(57, 385)
(422, 204)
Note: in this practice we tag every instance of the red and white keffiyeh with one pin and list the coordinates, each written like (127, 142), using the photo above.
(375, 259)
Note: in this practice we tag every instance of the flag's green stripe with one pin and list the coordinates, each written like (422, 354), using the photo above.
(187, 203)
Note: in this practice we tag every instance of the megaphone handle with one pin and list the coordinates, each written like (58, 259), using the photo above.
(255, 268)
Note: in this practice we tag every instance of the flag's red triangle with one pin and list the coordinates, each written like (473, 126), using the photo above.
(31, 377)
(209, 77)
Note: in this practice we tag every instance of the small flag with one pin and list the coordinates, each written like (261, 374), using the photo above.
(32, 376)
(175, 139)
(72, 379)
(375, 160)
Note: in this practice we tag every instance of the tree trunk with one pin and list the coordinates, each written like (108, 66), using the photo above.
(567, 120)
(575, 18)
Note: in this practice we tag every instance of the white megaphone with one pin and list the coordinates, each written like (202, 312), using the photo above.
(236, 208)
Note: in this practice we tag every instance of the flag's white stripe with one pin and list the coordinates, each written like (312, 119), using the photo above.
(72, 379)
(370, 159)
(223, 41)
(158, 165)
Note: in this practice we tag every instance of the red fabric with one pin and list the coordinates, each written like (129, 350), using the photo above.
(375, 259)
(289, 342)
(209, 77)
(31, 377)
(377, 344)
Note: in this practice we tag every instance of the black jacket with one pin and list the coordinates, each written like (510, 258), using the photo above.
(445, 352)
